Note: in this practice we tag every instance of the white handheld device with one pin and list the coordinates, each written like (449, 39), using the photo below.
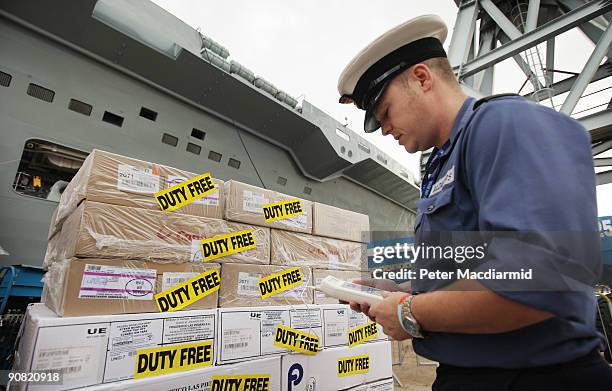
(347, 291)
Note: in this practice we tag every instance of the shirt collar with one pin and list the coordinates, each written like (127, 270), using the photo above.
(464, 114)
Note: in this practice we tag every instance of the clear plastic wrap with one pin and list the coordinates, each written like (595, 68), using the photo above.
(52, 226)
(240, 288)
(243, 203)
(112, 231)
(115, 179)
(339, 223)
(347, 275)
(79, 287)
(295, 249)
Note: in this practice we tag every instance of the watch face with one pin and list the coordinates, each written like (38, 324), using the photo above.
(410, 327)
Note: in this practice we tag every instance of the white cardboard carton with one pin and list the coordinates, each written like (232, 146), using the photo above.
(246, 333)
(301, 372)
(100, 349)
(338, 319)
(200, 379)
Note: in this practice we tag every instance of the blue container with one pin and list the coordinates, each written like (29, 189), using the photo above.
(20, 281)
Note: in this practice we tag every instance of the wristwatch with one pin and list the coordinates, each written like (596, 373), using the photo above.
(407, 320)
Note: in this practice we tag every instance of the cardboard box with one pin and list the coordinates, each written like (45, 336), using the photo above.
(247, 333)
(113, 231)
(339, 223)
(200, 379)
(240, 288)
(243, 203)
(290, 248)
(100, 349)
(78, 287)
(120, 180)
(319, 274)
(381, 385)
(302, 372)
(338, 319)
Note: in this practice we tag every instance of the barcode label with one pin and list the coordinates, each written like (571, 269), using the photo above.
(236, 345)
(52, 353)
(91, 268)
(171, 279)
(68, 370)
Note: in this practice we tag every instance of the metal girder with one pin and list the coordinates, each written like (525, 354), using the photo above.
(503, 38)
(565, 85)
(558, 26)
(550, 61)
(599, 126)
(483, 81)
(462, 33)
(604, 177)
(502, 21)
(603, 147)
(532, 15)
(584, 78)
(603, 161)
(594, 28)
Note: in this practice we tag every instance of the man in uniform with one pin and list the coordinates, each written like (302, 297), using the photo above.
(498, 164)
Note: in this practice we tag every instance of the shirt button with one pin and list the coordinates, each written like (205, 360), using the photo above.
(430, 208)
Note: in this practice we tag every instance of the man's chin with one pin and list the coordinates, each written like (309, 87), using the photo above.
(411, 148)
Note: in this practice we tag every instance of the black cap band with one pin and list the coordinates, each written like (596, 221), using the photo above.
(406, 56)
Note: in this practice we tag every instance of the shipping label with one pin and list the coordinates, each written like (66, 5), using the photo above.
(228, 244)
(255, 382)
(112, 282)
(282, 210)
(170, 279)
(189, 291)
(125, 338)
(248, 284)
(137, 179)
(296, 340)
(300, 221)
(279, 282)
(252, 202)
(173, 358)
(353, 365)
(185, 192)
(77, 359)
(362, 334)
(188, 328)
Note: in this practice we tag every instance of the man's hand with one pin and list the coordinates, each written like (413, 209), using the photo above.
(385, 314)
(383, 285)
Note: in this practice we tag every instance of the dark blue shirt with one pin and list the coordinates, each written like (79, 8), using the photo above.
(514, 165)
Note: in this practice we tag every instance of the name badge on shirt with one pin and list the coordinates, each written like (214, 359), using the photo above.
(448, 178)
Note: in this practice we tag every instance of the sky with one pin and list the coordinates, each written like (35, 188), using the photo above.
(302, 47)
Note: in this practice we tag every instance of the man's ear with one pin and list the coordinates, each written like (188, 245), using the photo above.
(423, 74)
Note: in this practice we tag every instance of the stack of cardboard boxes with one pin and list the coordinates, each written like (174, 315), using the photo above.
(111, 249)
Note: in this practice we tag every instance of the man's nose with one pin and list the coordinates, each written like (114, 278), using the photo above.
(386, 128)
